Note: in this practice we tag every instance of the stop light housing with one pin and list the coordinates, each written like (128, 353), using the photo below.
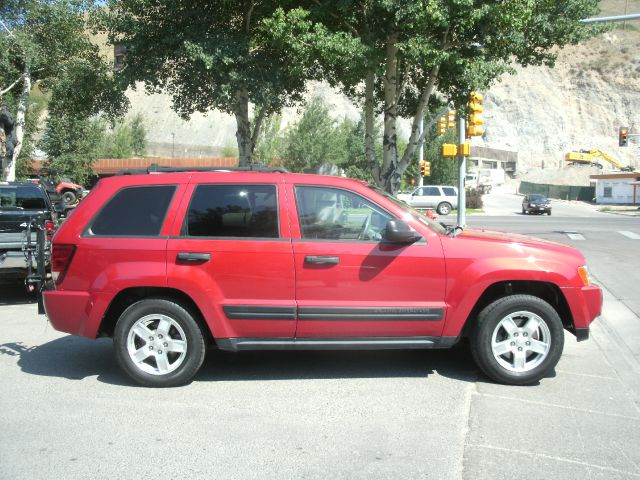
(423, 167)
(623, 136)
(451, 119)
(475, 128)
(427, 169)
(449, 150)
(442, 125)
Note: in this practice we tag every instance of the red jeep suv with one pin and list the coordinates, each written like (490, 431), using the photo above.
(168, 264)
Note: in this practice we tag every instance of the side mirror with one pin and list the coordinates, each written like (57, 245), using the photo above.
(397, 231)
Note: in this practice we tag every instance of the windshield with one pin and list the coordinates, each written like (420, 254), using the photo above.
(537, 198)
(435, 226)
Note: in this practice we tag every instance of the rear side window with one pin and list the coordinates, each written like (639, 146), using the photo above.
(134, 211)
(233, 211)
(449, 192)
(22, 198)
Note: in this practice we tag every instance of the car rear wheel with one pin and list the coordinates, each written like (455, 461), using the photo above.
(158, 343)
(444, 208)
(518, 339)
(69, 197)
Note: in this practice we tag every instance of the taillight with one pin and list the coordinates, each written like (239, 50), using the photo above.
(49, 227)
(61, 256)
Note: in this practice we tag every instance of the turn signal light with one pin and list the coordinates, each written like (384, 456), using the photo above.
(583, 272)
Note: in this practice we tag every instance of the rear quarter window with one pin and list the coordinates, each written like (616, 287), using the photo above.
(134, 211)
(449, 192)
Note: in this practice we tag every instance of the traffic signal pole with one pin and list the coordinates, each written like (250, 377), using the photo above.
(421, 153)
(462, 164)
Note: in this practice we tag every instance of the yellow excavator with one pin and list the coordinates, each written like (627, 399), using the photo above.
(591, 157)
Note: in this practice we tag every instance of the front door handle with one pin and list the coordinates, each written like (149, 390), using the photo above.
(193, 257)
(321, 260)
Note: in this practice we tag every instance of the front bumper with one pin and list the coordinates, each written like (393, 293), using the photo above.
(586, 305)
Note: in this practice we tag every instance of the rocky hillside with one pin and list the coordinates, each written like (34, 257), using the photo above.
(540, 112)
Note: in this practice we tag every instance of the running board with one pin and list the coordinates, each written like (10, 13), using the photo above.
(355, 343)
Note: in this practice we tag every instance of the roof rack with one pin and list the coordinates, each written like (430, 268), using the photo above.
(155, 168)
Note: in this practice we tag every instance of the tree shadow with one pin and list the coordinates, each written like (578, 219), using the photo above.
(76, 358)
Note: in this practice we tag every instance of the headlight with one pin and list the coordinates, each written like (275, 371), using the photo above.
(583, 272)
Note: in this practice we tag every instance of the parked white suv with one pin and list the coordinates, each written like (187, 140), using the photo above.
(443, 198)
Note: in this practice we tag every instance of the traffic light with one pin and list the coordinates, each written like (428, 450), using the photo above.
(451, 119)
(442, 125)
(423, 167)
(427, 169)
(623, 136)
(475, 128)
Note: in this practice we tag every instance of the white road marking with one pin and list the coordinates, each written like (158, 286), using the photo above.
(631, 235)
(575, 236)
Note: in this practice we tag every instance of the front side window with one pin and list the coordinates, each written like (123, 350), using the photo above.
(233, 211)
(134, 211)
(333, 214)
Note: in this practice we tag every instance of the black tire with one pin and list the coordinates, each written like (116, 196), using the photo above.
(444, 208)
(69, 197)
(549, 213)
(524, 212)
(503, 371)
(189, 362)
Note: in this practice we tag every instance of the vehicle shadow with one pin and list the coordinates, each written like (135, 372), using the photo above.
(76, 358)
(15, 293)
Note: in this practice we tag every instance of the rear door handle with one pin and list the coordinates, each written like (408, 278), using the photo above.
(321, 260)
(193, 257)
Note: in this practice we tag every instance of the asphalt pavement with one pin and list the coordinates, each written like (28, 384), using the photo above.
(67, 411)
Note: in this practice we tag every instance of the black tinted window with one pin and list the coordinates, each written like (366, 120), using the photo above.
(233, 211)
(134, 211)
(431, 191)
(22, 197)
(449, 191)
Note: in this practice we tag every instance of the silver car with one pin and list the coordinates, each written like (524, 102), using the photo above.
(443, 198)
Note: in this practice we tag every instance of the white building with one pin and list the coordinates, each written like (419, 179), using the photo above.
(618, 188)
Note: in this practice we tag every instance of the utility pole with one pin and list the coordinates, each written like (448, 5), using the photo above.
(173, 144)
(462, 164)
(421, 152)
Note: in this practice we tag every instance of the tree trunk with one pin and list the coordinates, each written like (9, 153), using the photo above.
(10, 168)
(369, 122)
(415, 140)
(390, 139)
(243, 132)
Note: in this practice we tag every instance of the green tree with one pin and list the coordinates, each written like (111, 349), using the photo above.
(444, 171)
(72, 144)
(138, 135)
(40, 41)
(270, 142)
(313, 140)
(402, 53)
(206, 55)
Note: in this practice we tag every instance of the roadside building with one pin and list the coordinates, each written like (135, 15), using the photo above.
(617, 188)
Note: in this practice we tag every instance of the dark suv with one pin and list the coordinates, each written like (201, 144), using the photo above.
(169, 264)
(20, 205)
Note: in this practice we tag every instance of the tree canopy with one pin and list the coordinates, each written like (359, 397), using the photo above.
(401, 54)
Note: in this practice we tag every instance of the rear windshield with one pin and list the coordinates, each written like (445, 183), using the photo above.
(22, 197)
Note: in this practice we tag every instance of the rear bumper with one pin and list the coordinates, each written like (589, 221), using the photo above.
(586, 305)
(78, 313)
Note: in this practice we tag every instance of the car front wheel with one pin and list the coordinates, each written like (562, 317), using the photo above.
(158, 343)
(444, 208)
(518, 339)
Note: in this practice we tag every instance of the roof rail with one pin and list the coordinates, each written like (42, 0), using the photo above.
(155, 168)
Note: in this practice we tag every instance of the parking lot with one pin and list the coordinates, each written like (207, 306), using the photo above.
(67, 411)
